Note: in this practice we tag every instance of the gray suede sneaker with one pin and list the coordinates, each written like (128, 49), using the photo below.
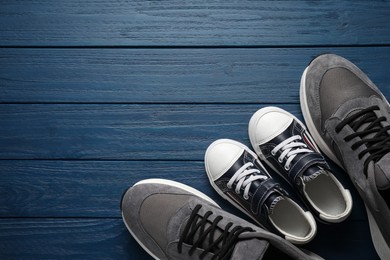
(349, 118)
(173, 221)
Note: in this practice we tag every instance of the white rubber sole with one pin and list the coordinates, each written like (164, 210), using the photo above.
(169, 183)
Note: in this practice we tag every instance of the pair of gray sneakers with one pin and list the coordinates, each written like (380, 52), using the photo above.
(349, 118)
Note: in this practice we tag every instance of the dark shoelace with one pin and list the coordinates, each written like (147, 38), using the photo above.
(377, 145)
(197, 223)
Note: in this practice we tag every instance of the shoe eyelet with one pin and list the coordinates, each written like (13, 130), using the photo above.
(229, 186)
(273, 153)
(280, 160)
(246, 197)
(287, 168)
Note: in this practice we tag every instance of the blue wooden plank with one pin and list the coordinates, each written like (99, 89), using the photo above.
(83, 188)
(109, 239)
(135, 132)
(268, 75)
(201, 23)
(67, 238)
(31, 188)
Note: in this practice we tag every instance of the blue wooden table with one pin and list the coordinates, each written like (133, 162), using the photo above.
(96, 95)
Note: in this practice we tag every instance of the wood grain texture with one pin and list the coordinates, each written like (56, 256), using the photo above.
(109, 239)
(96, 95)
(126, 132)
(67, 238)
(39, 188)
(269, 75)
(32, 188)
(200, 23)
(121, 132)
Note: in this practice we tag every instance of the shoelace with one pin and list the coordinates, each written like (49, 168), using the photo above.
(290, 148)
(197, 223)
(378, 144)
(242, 179)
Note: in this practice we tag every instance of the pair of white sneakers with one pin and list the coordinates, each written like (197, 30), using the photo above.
(281, 141)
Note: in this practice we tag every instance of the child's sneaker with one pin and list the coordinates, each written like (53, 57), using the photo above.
(282, 141)
(238, 176)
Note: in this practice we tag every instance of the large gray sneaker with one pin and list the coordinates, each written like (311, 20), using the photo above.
(173, 221)
(349, 119)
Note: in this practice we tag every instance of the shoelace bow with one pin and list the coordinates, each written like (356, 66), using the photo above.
(244, 178)
(377, 145)
(197, 223)
(290, 148)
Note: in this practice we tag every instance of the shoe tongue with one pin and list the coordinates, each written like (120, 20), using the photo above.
(311, 173)
(250, 249)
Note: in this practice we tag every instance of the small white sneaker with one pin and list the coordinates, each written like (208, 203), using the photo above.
(238, 176)
(281, 140)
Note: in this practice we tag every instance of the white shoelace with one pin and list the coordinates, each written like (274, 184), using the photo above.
(290, 147)
(242, 181)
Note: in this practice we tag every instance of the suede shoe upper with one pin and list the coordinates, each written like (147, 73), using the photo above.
(349, 118)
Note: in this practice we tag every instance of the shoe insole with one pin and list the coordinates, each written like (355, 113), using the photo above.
(290, 219)
(325, 194)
